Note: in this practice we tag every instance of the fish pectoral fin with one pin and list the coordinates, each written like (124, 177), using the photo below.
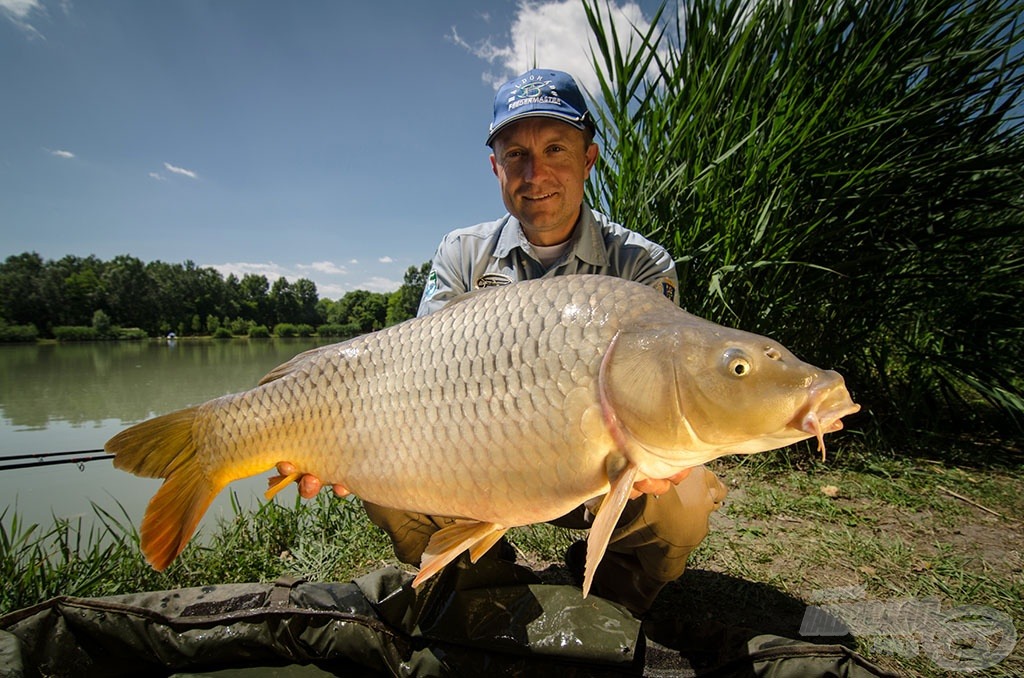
(605, 521)
(447, 543)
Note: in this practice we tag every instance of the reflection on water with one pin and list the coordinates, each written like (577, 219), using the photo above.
(62, 397)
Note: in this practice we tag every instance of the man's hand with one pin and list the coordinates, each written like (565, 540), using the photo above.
(309, 485)
(655, 487)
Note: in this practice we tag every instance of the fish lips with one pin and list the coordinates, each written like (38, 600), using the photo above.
(827, 404)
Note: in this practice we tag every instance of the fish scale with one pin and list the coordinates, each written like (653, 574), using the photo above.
(507, 407)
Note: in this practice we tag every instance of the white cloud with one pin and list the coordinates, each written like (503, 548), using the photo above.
(180, 170)
(62, 154)
(157, 176)
(553, 34)
(322, 273)
(386, 260)
(20, 11)
(379, 284)
(325, 267)
(270, 270)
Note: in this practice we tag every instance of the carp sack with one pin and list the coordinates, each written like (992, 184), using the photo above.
(509, 406)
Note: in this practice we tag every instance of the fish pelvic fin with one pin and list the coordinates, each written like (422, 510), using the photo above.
(164, 448)
(605, 520)
(448, 543)
(284, 482)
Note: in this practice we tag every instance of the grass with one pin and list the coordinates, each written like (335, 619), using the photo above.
(887, 529)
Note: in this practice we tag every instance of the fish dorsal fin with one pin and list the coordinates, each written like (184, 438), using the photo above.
(447, 543)
(605, 521)
(288, 367)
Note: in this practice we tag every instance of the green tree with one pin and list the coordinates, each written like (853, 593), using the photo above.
(21, 297)
(366, 310)
(73, 289)
(171, 290)
(130, 294)
(101, 323)
(306, 298)
(283, 301)
(254, 299)
(404, 302)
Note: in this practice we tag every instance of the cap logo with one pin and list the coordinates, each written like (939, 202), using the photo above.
(532, 91)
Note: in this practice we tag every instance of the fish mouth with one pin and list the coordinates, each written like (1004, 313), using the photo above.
(828, 403)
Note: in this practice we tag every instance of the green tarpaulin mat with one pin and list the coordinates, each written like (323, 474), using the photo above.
(493, 619)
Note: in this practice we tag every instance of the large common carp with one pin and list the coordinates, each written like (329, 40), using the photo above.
(509, 406)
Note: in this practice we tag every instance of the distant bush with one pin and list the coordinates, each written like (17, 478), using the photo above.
(75, 333)
(101, 323)
(240, 327)
(130, 333)
(259, 332)
(285, 330)
(222, 333)
(344, 331)
(11, 333)
(305, 330)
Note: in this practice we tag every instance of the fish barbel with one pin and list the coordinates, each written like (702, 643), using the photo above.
(507, 407)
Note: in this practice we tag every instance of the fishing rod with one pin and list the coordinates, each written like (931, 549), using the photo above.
(48, 459)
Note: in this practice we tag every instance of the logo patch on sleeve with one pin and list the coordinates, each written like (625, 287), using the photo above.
(492, 280)
(668, 289)
(431, 287)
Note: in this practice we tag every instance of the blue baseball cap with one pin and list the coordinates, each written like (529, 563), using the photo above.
(540, 93)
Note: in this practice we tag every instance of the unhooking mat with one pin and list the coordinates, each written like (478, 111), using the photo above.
(494, 619)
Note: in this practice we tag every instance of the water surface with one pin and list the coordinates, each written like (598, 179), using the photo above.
(70, 397)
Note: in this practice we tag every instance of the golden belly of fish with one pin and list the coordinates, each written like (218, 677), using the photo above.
(510, 406)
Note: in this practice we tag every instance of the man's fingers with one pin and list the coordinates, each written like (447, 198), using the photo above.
(309, 486)
(681, 476)
(658, 486)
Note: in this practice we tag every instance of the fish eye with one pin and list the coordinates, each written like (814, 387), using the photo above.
(739, 367)
(737, 364)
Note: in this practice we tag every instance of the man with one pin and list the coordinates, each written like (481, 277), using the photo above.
(542, 147)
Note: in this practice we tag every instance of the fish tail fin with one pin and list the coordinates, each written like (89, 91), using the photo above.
(165, 448)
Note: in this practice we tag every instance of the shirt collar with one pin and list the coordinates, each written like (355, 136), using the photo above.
(588, 241)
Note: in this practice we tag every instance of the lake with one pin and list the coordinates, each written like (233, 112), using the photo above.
(71, 397)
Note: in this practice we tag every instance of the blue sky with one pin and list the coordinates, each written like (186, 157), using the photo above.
(336, 141)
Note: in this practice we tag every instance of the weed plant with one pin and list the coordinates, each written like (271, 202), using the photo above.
(321, 539)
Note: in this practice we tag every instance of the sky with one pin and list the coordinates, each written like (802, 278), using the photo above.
(331, 140)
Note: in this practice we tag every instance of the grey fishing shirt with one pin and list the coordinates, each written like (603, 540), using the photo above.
(498, 253)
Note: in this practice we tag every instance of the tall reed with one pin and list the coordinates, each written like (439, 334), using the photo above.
(845, 176)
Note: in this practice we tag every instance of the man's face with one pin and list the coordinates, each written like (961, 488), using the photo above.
(541, 165)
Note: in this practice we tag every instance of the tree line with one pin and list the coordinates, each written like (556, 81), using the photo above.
(86, 297)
